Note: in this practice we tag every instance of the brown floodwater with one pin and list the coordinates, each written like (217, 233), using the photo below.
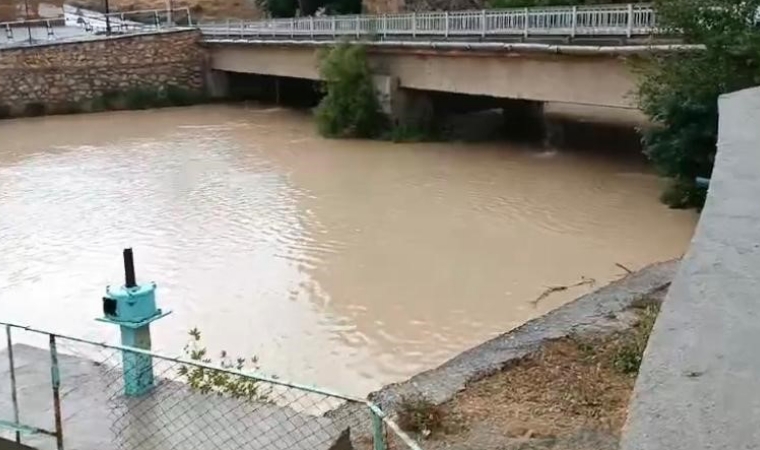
(342, 263)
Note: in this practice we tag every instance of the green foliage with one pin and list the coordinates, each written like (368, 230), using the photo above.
(629, 353)
(532, 3)
(209, 381)
(34, 109)
(349, 107)
(679, 91)
(420, 415)
(409, 133)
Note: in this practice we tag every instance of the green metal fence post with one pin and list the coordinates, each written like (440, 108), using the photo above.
(378, 432)
(55, 376)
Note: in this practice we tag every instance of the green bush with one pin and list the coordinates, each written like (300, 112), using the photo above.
(349, 107)
(210, 381)
(679, 91)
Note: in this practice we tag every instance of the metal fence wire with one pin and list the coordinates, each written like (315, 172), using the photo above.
(64, 392)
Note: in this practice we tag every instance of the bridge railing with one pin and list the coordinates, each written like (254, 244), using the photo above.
(605, 20)
(78, 23)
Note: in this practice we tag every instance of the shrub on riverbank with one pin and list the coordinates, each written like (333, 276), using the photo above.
(679, 91)
(349, 107)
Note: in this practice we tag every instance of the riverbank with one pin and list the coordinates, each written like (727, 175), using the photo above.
(561, 381)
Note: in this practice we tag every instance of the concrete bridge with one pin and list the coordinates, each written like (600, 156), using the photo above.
(519, 58)
(516, 59)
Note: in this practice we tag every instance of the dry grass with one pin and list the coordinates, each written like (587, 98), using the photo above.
(570, 386)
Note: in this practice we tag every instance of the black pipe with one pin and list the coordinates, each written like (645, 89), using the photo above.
(129, 269)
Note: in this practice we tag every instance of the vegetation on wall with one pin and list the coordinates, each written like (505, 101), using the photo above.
(293, 8)
(349, 107)
(679, 92)
(531, 3)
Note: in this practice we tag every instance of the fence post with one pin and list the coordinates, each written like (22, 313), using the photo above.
(574, 21)
(384, 25)
(378, 432)
(292, 27)
(332, 25)
(229, 30)
(12, 367)
(525, 22)
(8, 32)
(630, 20)
(55, 377)
(483, 24)
(446, 26)
(311, 26)
(414, 24)
(242, 29)
(189, 18)
(358, 25)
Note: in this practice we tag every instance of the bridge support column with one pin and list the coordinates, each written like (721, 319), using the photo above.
(404, 107)
(217, 84)
(524, 119)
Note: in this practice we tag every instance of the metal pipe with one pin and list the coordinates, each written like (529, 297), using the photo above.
(14, 395)
(129, 269)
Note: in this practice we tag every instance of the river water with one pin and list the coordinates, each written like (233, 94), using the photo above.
(346, 264)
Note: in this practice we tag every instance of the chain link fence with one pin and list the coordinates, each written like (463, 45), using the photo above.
(61, 392)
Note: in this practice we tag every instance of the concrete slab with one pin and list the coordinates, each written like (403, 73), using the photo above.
(699, 385)
(96, 416)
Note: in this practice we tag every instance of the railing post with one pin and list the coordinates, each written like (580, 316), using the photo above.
(358, 24)
(384, 25)
(229, 30)
(574, 21)
(483, 24)
(311, 26)
(292, 27)
(446, 26)
(525, 22)
(414, 24)
(378, 432)
(630, 20)
(242, 29)
(55, 377)
(8, 32)
(12, 367)
(189, 18)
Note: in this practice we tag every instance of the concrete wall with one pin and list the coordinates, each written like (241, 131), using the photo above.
(58, 75)
(698, 387)
(587, 80)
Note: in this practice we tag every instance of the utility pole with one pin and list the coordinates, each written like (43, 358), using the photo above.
(108, 19)
(28, 26)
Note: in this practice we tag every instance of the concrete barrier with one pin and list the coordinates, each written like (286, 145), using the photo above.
(699, 385)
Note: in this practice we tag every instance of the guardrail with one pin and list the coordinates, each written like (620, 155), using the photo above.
(67, 392)
(79, 24)
(612, 20)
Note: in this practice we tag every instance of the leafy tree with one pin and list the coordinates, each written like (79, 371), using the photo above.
(349, 107)
(679, 91)
(210, 381)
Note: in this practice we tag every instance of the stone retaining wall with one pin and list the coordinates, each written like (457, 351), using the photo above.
(57, 77)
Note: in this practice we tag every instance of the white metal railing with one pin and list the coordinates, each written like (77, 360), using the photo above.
(78, 23)
(607, 20)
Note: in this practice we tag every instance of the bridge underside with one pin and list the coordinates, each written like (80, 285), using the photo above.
(605, 81)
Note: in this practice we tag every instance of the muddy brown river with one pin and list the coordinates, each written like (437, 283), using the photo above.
(346, 264)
